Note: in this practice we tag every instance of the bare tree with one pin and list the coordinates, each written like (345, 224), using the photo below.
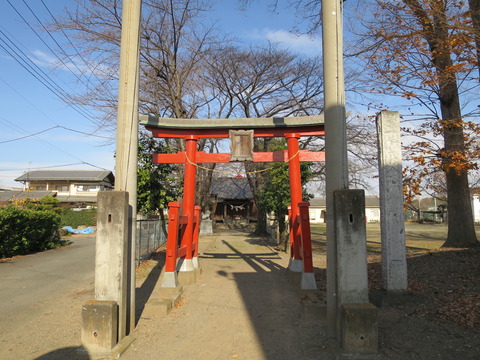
(418, 49)
(264, 82)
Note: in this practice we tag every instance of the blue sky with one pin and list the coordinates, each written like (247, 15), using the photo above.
(40, 131)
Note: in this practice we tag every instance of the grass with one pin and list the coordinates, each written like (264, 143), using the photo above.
(417, 236)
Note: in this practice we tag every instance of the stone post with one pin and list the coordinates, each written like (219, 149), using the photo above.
(392, 220)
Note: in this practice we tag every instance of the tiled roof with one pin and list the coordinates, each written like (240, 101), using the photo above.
(77, 198)
(70, 175)
(7, 195)
(231, 188)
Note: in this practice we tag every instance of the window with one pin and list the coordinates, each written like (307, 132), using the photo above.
(88, 188)
(61, 188)
(41, 187)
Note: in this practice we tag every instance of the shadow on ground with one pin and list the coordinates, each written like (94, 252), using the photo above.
(273, 303)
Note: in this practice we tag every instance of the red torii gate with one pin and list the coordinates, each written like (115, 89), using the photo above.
(238, 130)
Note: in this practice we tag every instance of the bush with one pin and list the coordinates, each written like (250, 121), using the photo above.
(78, 218)
(24, 231)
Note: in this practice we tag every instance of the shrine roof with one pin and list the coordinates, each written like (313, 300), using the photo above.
(239, 123)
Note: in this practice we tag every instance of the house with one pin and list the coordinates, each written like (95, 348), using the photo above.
(233, 199)
(317, 210)
(74, 187)
(476, 205)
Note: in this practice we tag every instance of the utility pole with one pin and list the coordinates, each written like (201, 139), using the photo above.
(335, 139)
(127, 131)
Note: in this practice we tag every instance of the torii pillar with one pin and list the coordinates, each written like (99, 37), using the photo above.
(188, 267)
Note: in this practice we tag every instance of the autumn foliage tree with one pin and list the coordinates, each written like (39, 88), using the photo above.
(424, 51)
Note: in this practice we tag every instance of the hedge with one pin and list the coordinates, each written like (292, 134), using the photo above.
(77, 218)
(24, 231)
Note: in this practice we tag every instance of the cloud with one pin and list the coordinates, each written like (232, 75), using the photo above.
(79, 68)
(300, 43)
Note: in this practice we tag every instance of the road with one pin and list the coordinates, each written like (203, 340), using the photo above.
(32, 284)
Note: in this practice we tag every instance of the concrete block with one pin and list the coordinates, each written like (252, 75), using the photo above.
(99, 325)
(294, 277)
(163, 302)
(157, 308)
(359, 329)
(314, 304)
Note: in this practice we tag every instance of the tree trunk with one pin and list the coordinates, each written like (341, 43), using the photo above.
(261, 228)
(461, 229)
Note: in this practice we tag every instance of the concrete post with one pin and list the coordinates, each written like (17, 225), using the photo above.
(335, 138)
(352, 273)
(127, 132)
(357, 329)
(111, 256)
(392, 221)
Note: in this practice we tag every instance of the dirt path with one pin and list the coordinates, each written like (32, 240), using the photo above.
(241, 308)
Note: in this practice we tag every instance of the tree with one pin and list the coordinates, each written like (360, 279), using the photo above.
(420, 51)
(156, 183)
(264, 82)
(274, 192)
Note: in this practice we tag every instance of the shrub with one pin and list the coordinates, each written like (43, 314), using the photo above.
(24, 231)
(77, 218)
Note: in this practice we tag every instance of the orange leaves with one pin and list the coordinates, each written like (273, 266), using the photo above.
(408, 95)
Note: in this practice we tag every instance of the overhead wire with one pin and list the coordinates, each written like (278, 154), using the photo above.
(44, 42)
(53, 166)
(18, 128)
(33, 69)
(77, 52)
(65, 96)
(8, 44)
(48, 117)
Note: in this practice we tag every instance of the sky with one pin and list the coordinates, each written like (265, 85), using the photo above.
(38, 130)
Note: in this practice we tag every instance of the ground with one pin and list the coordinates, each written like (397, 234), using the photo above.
(439, 317)
(242, 307)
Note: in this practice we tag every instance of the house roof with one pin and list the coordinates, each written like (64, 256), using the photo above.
(6, 196)
(67, 175)
(20, 195)
(77, 198)
(231, 188)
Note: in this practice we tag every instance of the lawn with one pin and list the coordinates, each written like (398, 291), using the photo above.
(418, 236)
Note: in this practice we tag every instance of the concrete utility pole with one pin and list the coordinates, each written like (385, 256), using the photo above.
(335, 139)
(127, 130)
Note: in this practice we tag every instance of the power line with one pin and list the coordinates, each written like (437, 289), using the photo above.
(54, 166)
(30, 135)
(41, 39)
(78, 53)
(51, 128)
(33, 69)
(14, 126)
(48, 117)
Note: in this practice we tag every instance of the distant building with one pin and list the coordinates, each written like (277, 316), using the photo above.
(318, 210)
(232, 199)
(476, 205)
(74, 187)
